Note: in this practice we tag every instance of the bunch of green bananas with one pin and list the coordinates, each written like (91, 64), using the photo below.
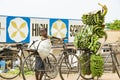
(99, 31)
(82, 38)
(94, 44)
(96, 65)
(96, 17)
(88, 38)
(93, 18)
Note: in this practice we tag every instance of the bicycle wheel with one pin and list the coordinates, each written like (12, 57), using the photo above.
(69, 67)
(51, 68)
(116, 62)
(11, 68)
(28, 66)
(85, 66)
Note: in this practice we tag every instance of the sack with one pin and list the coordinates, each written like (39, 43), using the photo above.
(43, 48)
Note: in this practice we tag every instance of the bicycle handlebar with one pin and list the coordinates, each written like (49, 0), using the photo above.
(21, 45)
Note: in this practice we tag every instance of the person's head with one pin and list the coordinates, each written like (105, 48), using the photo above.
(43, 32)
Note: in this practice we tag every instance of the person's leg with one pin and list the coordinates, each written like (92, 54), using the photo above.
(37, 75)
(37, 64)
(41, 75)
(42, 67)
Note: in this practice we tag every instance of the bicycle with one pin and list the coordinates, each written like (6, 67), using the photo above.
(17, 55)
(52, 65)
(30, 67)
(11, 67)
(114, 47)
(85, 60)
(69, 63)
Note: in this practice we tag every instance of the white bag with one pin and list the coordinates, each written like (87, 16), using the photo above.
(43, 47)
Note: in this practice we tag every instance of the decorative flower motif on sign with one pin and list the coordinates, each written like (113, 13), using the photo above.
(18, 29)
(59, 29)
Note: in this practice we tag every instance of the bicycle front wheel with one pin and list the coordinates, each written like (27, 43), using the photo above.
(12, 67)
(28, 66)
(85, 66)
(69, 67)
(51, 68)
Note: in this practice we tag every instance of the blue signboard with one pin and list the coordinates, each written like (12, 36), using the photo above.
(17, 29)
(59, 28)
(25, 29)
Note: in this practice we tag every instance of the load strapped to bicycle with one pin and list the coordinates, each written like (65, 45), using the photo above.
(6, 52)
(87, 41)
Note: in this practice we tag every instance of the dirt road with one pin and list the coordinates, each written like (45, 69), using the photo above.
(105, 76)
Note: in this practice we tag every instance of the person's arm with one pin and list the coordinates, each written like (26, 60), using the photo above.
(55, 40)
(53, 37)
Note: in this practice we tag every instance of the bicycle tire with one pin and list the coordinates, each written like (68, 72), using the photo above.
(51, 68)
(30, 67)
(116, 63)
(85, 66)
(69, 67)
(14, 67)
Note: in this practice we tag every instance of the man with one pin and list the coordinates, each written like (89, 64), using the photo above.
(43, 47)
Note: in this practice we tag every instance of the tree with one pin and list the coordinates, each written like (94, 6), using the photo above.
(115, 25)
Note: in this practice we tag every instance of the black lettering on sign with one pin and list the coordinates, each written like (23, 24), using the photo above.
(74, 29)
(1, 28)
(0, 25)
(36, 28)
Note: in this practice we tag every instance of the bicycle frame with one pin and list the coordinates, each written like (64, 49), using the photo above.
(114, 59)
(63, 53)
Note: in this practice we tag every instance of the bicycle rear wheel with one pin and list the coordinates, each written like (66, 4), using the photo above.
(11, 68)
(85, 66)
(51, 68)
(116, 62)
(69, 67)
(28, 66)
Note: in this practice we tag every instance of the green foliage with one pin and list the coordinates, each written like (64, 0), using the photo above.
(96, 65)
(115, 25)
(15, 71)
(29, 73)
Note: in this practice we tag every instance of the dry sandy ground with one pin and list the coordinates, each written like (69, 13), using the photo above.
(106, 76)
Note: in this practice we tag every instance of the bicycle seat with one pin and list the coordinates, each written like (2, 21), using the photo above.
(71, 50)
(21, 45)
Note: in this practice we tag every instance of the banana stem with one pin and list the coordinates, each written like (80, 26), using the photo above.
(104, 7)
